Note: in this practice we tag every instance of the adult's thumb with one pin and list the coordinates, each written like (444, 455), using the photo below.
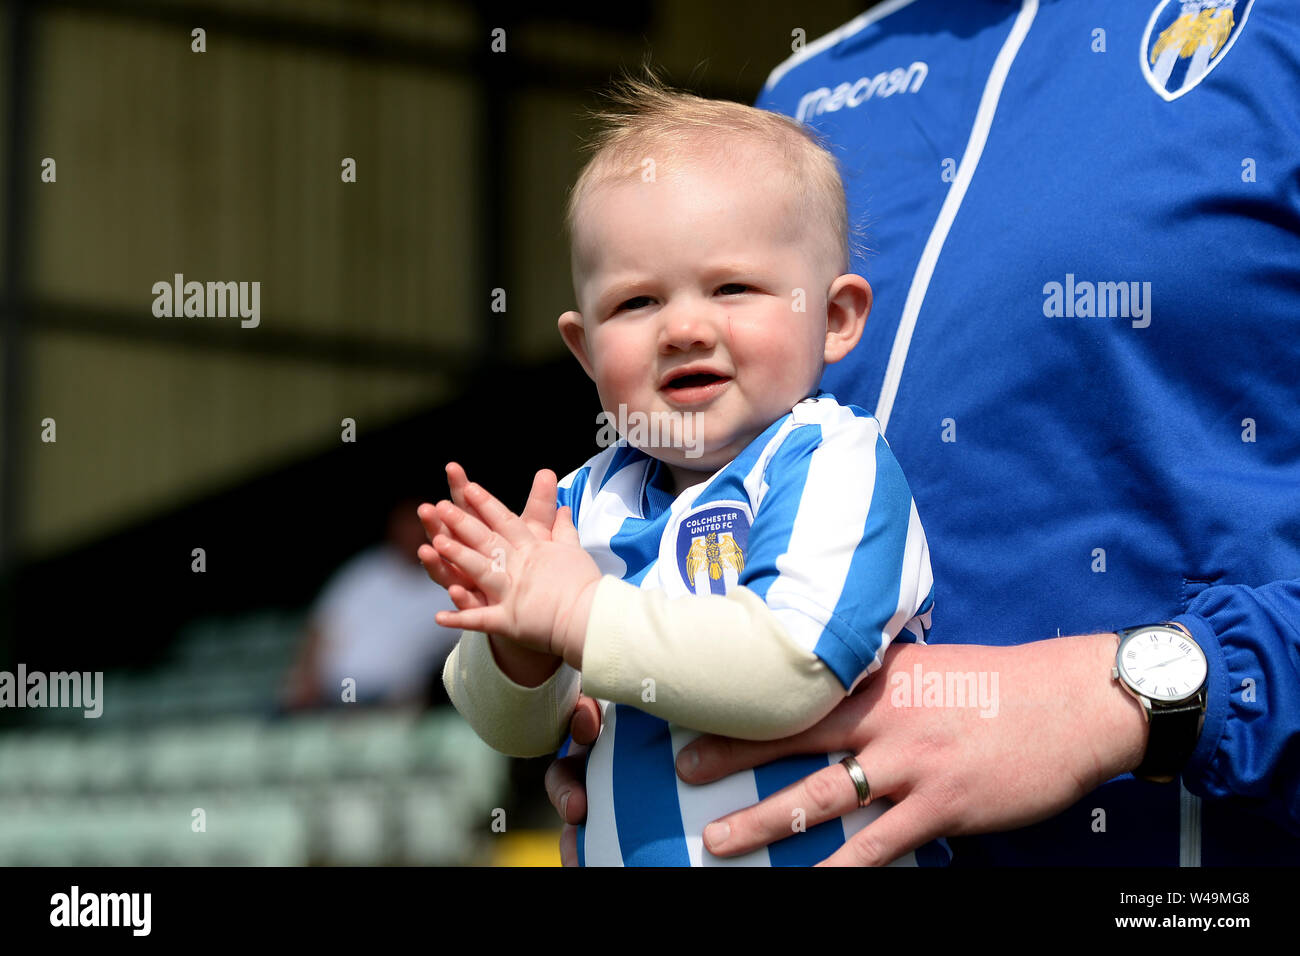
(585, 723)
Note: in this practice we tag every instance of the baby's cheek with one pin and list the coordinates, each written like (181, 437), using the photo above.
(617, 384)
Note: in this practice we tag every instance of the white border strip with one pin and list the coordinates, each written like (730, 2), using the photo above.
(839, 33)
(956, 193)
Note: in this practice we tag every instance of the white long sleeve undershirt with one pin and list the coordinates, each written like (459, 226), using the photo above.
(719, 664)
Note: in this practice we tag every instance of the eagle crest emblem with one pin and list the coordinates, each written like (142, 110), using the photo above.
(710, 546)
(1186, 39)
(713, 553)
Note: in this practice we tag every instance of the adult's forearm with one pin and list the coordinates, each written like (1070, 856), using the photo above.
(1116, 724)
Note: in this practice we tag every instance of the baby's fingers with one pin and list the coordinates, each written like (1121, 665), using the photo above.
(428, 515)
(498, 517)
(539, 510)
(490, 619)
(474, 565)
(465, 599)
(457, 481)
(442, 573)
(563, 530)
(464, 527)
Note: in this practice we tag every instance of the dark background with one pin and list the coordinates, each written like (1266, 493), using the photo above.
(97, 529)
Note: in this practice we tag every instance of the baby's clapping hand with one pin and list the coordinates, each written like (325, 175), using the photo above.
(539, 515)
(534, 591)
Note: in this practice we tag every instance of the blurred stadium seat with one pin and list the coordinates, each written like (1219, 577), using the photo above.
(342, 787)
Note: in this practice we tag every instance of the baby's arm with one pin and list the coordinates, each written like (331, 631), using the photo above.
(829, 581)
(714, 663)
(512, 718)
(836, 567)
(517, 699)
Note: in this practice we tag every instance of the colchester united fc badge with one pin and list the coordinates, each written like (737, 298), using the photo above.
(1186, 39)
(710, 547)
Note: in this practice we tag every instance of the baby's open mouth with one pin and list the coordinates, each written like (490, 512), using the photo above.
(695, 380)
(694, 388)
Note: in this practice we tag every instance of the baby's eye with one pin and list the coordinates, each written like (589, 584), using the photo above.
(733, 288)
(637, 302)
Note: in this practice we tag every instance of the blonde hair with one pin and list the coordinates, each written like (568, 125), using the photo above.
(643, 113)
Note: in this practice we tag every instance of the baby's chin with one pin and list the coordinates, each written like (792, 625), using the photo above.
(685, 458)
(703, 459)
(694, 441)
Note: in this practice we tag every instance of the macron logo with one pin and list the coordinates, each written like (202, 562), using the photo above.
(825, 100)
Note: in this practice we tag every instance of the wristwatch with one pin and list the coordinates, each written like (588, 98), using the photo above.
(1165, 669)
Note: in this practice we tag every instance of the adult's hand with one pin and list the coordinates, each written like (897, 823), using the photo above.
(1062, 727)
(564, 777)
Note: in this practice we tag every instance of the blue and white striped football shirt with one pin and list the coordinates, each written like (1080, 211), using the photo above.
(816, 515)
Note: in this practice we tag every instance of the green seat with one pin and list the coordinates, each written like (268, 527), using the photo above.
(182, 845)
(124, 700)
(109, 760)
(434, 830)
(20, 762)
(481, 773)
(15, 821)
(239, 751)
(355, 827)
(178, 757)
(268, 828)
(47, 836)
(57, 768)
(113, 834)
(310, 749)
(375, 744)
(202, 644)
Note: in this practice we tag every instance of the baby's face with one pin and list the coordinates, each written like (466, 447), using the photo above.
(704, 296)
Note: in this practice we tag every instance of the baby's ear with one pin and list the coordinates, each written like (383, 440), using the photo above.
(848, 303)
(574, 334)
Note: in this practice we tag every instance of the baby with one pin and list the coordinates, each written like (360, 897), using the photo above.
(742, 565)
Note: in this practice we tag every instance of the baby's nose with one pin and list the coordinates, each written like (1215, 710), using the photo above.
(687, 327)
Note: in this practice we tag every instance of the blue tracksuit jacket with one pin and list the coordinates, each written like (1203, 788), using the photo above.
(1083, 223)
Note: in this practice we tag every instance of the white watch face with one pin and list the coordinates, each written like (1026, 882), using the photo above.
(1162, 663)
